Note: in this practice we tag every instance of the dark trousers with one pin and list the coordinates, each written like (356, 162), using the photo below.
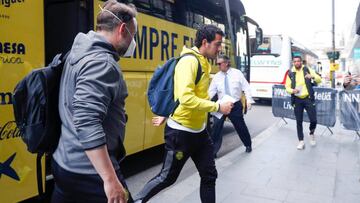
(309, 106)
(179, 146)
(78, 188)
(237, 119)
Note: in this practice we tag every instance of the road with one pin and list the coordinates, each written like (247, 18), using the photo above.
(140, 168)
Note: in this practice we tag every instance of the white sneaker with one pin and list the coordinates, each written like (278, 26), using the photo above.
(312, 140)
(301, 145)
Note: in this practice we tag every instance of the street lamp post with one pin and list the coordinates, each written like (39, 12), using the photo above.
(332, 60)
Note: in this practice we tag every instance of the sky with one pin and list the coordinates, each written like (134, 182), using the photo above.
(307, 21)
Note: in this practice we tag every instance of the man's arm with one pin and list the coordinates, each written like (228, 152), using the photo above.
(315, 76)
(100, 159)
(288, 85)
(96, 86)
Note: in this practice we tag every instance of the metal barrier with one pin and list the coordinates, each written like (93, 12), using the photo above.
(325, 99)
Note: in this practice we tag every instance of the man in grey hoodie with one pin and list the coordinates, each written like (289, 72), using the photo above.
(91, 104)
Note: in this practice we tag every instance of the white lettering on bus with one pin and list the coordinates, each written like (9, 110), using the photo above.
(263, 62)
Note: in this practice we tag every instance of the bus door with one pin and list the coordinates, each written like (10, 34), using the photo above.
(64, 19)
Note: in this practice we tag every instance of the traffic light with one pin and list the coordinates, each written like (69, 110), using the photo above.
(333, 55)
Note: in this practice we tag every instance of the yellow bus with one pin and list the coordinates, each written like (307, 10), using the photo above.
(32, 32)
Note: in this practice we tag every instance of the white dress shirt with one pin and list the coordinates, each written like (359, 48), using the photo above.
(237, 84)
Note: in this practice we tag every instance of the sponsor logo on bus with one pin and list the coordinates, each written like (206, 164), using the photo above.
(265, 62)
(8, 3)
(12, 48)
(9, 131)
(4, 16)
(5, 98)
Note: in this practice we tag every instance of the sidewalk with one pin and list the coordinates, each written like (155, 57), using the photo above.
(277, 172)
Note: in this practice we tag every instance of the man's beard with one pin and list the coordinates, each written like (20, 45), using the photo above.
(121, 49)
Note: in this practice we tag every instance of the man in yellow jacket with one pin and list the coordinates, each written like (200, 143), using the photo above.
(185, 131)
(299, 85)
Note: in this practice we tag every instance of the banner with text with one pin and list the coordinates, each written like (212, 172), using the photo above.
(325, 99)
(350, 109)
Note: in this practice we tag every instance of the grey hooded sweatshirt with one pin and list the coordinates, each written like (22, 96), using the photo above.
(91, 104)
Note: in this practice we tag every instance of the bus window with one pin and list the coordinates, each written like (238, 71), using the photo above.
(168, 7)
(143, 6)
(198, 21)
(271, 45)
(241, 51)
(189, 18)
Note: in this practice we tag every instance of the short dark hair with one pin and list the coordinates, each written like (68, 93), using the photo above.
(207, 32)
(297, 56)
(106, 21)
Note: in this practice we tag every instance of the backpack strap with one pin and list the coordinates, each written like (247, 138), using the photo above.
(39, 175)
(199, 70)
(308, 84)
(292, 76)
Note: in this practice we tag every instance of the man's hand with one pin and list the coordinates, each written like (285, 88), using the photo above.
(249, 105)
(115, 192)
(308, 76)
(355, 80)
(158, 120)
(347, 80)
(225, 108)
(295, 91)
(100, 159)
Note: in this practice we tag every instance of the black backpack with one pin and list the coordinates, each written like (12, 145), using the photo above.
(35, 104)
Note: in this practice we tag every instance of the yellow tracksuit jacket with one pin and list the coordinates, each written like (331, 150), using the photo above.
(300, 81)
(194, 100)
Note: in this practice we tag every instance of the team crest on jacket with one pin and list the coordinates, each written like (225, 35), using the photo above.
(179, 155)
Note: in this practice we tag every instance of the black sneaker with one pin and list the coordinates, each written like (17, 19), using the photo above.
(248, 149)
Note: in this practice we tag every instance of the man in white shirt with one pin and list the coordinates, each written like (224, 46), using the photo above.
(230, 81)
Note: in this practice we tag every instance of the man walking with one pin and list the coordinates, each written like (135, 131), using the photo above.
(185, 133)
(230, 81)
(91, 105)
(299, 84)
